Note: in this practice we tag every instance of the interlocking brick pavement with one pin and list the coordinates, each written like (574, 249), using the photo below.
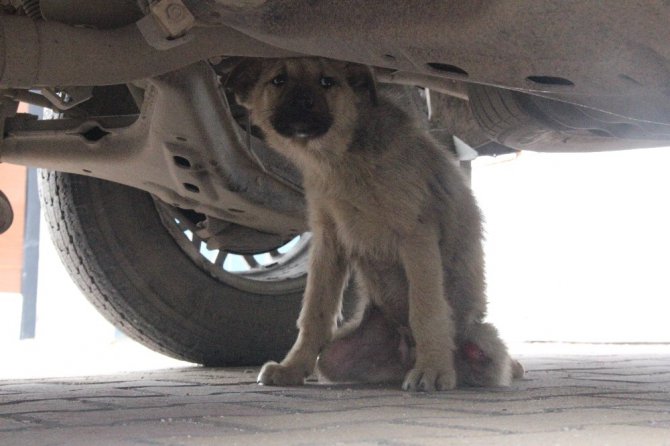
(568, 400)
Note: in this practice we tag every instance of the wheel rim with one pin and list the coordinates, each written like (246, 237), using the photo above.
(277, 271)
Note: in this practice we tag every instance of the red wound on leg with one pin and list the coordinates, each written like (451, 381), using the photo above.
(472, 352)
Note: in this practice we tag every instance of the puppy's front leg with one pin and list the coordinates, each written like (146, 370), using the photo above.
(430, 314)
(321, 307)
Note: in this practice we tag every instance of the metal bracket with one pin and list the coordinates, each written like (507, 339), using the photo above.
(465, 151)
(67, 97)
(185, 148)
(166, 25)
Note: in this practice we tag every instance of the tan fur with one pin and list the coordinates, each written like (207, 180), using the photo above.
(385, 202)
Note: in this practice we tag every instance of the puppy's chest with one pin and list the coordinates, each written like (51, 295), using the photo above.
(364, 227)
(369, 208)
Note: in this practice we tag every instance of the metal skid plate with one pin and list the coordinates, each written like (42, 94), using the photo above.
(184, 148)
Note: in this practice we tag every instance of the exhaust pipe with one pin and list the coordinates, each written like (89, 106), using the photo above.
(50, 54)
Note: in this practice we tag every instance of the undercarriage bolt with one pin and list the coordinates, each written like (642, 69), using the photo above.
(175, 12)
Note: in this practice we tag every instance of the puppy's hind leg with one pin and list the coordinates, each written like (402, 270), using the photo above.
(374, 351)
(482, 359)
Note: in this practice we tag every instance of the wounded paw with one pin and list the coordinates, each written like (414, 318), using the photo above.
(429, 379)
(482, 359)
(273, 374)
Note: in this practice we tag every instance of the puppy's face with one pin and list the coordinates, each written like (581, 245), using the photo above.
(304, 103)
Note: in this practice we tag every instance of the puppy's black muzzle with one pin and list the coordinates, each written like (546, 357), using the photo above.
(302, 114)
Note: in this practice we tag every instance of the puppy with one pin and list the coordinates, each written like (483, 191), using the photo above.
(387, 204)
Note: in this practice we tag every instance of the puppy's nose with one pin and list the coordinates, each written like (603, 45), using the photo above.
(305, 101)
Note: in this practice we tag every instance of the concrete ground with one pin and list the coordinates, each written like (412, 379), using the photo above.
(610, 399)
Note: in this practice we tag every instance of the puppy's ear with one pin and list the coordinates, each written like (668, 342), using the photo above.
(362, 81)
(243, 77)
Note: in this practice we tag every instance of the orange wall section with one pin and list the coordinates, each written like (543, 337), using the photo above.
(13, 184)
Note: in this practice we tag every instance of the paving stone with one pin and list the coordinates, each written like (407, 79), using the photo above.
(569, 400)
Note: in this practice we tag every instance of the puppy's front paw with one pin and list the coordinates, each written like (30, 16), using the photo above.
(428, 379)
(273, 374)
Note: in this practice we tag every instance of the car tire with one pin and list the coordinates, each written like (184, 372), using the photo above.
(116, 248)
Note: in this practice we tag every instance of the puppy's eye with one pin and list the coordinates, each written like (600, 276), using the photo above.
(279, 80)
(327, 81)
